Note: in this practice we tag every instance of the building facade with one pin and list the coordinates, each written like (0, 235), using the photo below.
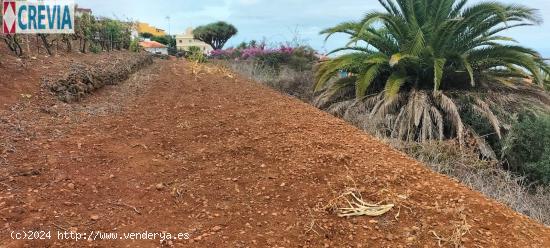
(186, 40)
(143, 27)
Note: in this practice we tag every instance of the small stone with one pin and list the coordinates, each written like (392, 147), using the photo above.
(70, 186)
(216, 228)
(94, 217)
(159, 186)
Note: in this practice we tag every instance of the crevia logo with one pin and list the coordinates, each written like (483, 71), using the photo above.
(38, 16)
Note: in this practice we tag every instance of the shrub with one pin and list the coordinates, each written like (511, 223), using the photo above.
(299, 58)
(273, 59)
(195, 54)
(226, 54)
(95, 48)
(134, 46)
(527, 148)
(302, 59)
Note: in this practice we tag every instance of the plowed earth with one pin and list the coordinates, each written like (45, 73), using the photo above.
(230, 162)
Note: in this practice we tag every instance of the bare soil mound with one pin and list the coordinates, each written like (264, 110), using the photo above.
(234, 164)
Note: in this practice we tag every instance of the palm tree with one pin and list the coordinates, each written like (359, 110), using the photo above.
(409, 62)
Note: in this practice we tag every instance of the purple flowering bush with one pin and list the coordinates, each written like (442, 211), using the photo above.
(299, 58)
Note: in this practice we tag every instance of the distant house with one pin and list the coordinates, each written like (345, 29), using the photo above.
(185, 41)
(143, 27)
(81, 11)
(154, 47)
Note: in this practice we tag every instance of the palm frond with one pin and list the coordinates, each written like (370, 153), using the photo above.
(438, 72)
(394, 83)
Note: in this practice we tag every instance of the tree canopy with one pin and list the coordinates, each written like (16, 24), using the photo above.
(146, 35)
(165, 39)
(215, 34)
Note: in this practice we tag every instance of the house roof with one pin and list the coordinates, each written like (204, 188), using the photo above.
(84, 10)
(151, 44)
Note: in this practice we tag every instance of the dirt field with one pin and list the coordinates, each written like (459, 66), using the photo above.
(230, 162)
(25, 76)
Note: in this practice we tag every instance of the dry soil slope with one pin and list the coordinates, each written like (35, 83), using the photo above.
(237, 165)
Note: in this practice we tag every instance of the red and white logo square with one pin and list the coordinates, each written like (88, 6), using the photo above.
(9, 18)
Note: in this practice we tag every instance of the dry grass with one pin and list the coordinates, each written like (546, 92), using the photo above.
(483, 176)
(200, 69)
(460, 229)
(288, 81)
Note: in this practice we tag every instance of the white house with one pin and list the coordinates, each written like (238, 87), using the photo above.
(185, 41)
(154, 47)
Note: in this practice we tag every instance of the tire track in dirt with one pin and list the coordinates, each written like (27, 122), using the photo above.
(236, 165)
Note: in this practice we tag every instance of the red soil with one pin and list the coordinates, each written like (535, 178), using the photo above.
(19, 76)
(232, 163)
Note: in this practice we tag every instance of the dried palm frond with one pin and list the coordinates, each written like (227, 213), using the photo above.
(351, 204)
(438, 119)
(481, 145)
(484, 110)
(340, 108)
(453, 115)
(423, 115)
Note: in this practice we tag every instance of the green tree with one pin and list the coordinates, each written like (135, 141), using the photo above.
(409, 62)
(166, 40)
(113, 34)
(215, 34)
(85, 28)
(146, 35)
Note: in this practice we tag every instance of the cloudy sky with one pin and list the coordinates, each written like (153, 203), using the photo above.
(280, 20)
